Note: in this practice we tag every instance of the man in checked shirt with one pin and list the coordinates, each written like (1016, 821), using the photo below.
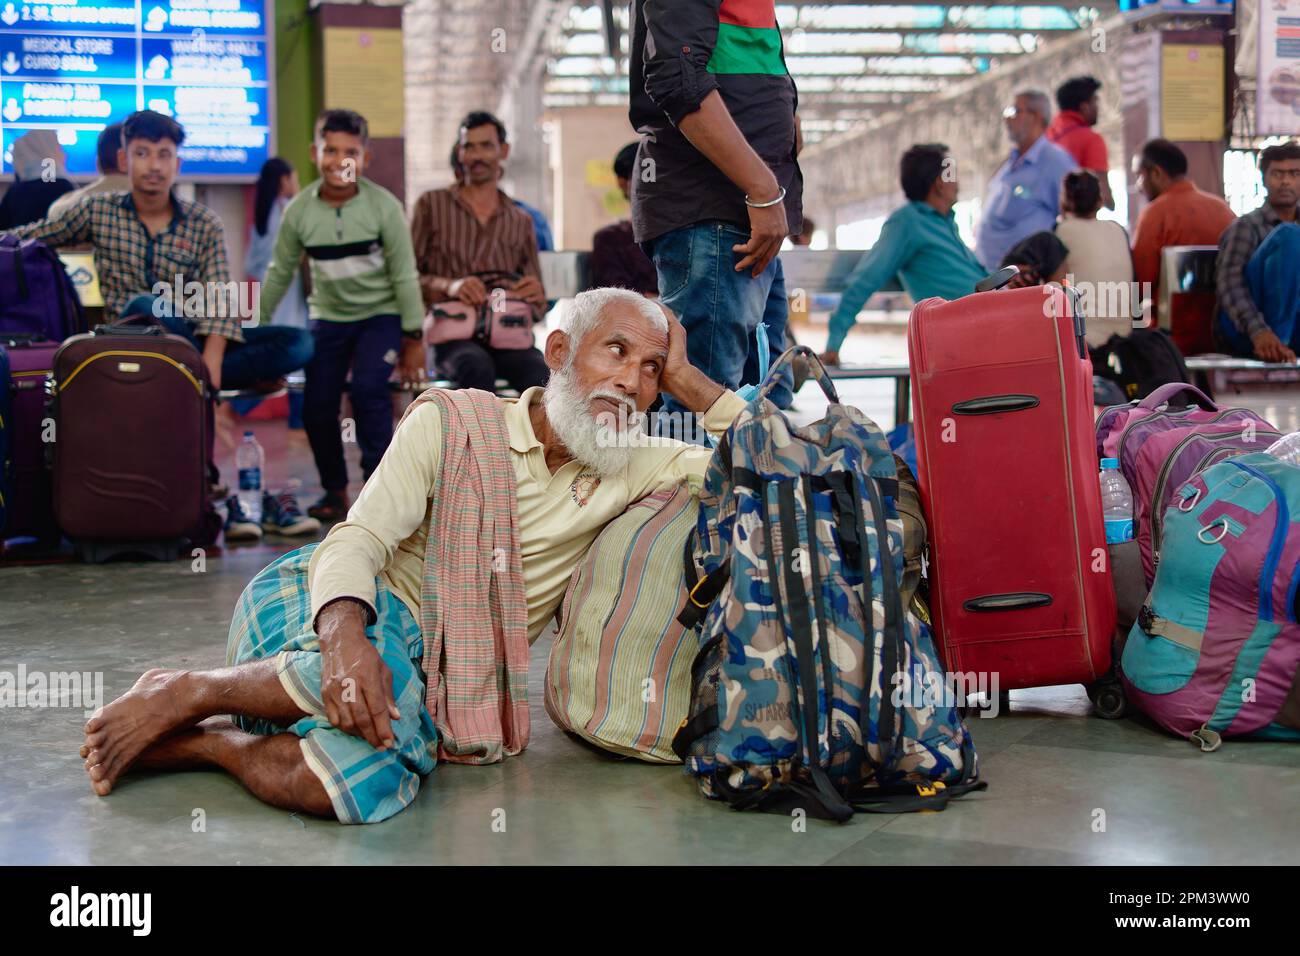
(148, 239)
(1258, 269)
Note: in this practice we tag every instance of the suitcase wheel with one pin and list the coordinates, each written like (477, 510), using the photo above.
(1108, 700)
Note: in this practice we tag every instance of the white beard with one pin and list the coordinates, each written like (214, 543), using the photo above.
(598, 444)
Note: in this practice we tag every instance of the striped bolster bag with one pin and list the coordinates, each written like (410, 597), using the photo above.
(619, 671)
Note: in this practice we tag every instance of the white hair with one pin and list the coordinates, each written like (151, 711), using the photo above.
(1038, 102)
(588, 307)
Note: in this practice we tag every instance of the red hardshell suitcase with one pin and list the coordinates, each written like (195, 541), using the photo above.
(131, 449)
(1020, 583)
(31, 509)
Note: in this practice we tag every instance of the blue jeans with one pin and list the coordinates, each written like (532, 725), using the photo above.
(720, 307)
(267, 352)
(1273, 277)
(370, 348)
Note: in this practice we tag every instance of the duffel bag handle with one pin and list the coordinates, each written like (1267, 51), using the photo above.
(815, 366)
(1167, 391)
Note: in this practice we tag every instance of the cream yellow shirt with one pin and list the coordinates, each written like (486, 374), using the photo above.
(560, 514)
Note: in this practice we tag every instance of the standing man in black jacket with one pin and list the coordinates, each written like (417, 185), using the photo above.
(717, 187)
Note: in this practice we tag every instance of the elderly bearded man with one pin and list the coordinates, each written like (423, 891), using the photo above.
(333, 712)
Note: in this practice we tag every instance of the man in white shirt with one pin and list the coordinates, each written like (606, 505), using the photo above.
(340, 698)
(111, 176)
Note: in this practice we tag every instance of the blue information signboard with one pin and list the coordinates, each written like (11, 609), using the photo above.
(76, 65)
(1138, 9)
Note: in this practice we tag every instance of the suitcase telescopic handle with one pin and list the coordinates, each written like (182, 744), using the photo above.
(996, 280)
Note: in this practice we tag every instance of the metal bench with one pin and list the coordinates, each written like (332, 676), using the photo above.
(901, 375)
(1221, 371)
(820, 273)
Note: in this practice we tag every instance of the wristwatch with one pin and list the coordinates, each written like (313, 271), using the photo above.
(415, 334)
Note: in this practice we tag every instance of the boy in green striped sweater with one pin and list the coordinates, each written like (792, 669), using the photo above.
(365, 305)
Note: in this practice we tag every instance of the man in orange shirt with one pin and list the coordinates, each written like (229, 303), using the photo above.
(1072, 129)
(1179, 214)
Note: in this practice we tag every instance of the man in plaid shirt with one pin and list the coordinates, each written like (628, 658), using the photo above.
(161, 255)
(1258, 269)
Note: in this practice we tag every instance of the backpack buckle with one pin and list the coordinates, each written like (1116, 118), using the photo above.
(924, 790)
(691, 596)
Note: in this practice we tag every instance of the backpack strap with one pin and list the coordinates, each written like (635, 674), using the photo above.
(799, 614)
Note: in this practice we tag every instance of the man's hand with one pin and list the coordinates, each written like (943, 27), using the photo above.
(830, 357)
(1269, 348)
(529, 288)
(410, 370)
(469, 290)
(767, 230)
(679, 377)
(356, 685)
(214, 352)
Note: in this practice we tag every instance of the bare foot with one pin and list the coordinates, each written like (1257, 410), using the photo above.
(185, 749)
(158, 704)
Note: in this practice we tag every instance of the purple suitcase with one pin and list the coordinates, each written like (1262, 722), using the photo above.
(31, 504)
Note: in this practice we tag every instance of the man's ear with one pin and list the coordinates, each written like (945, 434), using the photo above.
(505, 152)
(121, 160)
(556, 350)
(315, 155)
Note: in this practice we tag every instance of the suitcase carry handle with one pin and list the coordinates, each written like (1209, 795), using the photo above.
(995, 404)
(1008, 602)
(1167, 391)
(129, 330)
(132, 325)
(814, 365)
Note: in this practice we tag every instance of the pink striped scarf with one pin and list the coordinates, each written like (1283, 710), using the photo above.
(473, 612)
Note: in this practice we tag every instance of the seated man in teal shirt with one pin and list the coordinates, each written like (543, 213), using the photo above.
(919, 244)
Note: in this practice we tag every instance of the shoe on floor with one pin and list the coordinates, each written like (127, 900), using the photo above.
(238, 525)
(281, 515)
(333, 507)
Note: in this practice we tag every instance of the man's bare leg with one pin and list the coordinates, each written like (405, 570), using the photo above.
(164, 701)
(271, 767)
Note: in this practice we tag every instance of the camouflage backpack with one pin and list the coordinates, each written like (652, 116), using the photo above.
(807, 691)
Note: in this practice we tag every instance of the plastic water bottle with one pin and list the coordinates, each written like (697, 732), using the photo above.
(1286, 448)
(1116, 503)
(249, 459)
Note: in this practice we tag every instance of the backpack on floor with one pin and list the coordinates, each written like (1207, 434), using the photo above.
(814, 686)
(1160, 446)
(1216, 647)
(36, 295)
(619, 672)
(1140, 362)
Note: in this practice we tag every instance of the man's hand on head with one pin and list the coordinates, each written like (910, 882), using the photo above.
(679, 377)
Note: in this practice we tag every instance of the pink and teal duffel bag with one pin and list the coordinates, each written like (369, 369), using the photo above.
(1216, 647)
(1160, 443)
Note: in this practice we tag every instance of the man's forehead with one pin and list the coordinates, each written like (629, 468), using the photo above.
(624, 320)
